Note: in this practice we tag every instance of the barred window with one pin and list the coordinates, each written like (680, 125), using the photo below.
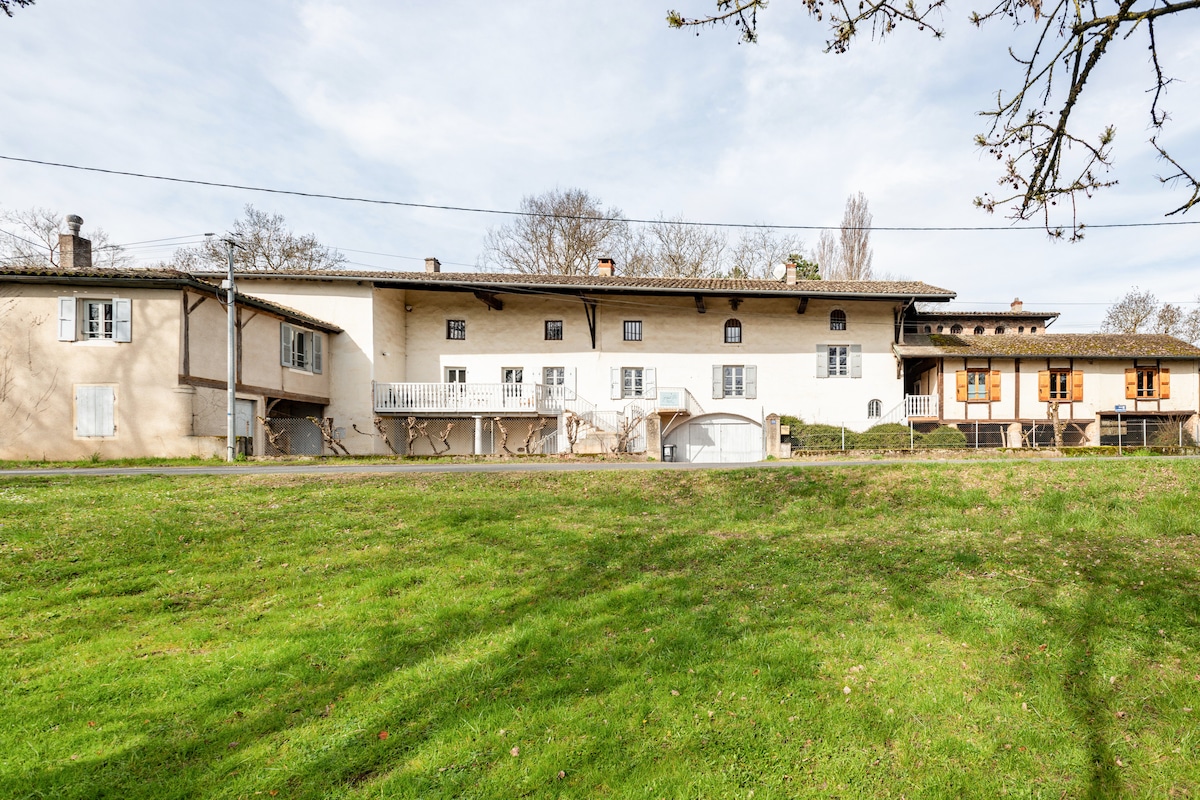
(456, 329)
(633, 330)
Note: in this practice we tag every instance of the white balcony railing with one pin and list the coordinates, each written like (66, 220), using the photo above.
(467, 398)
(679, 400)
(920, 405)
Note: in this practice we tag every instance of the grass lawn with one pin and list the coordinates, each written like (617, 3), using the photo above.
(968, 630)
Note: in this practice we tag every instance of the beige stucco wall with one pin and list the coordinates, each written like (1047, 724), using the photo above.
(38, 376)
(350, 306)
(681, 344)
(156, 413)
(1103, 389)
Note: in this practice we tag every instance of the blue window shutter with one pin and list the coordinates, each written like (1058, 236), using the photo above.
(317, 357)
(751, 381)
(122, 319)
(66, 319)
(822, 361)
(856, 361)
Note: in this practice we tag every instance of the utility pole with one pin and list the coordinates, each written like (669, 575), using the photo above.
(231, 373)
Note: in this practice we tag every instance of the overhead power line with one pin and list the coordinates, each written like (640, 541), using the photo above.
(501, 212)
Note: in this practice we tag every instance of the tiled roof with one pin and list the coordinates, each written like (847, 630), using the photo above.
(1056, 345)
(628, 283)
(950, 314)
(155, 276)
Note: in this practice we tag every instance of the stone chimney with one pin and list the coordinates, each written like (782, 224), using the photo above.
(1017, 306)
(606, 267)
(74, 252)
(790, 277)
(433, 265)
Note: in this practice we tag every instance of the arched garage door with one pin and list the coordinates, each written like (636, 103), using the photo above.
(717, 439)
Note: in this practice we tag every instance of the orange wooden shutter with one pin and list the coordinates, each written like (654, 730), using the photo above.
(960, 383)
(1077, 386)
(1164, 383)
(1131, 384)
(1044, 386)
(994, 389)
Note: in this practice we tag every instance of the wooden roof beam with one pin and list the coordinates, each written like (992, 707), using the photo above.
(490, 300)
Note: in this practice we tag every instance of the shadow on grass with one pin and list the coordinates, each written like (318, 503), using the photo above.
(305, 721)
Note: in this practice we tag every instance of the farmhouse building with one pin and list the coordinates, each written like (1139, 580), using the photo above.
(132, 363)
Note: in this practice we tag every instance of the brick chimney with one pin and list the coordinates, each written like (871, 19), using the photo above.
(433, 265)
(606, 267)
(74, 252)
(1017, 306)
(790, 278)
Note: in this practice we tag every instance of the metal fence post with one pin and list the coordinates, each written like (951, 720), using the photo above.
(911, 437)
(976, 435)
(1145, 442)
(843, 437)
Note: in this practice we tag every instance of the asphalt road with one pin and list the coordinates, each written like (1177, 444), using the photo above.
(497, 466)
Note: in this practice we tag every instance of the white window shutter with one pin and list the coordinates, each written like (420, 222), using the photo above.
(538, 374)
(94, 411)
(616, 383)
(317, 354)
(66, 319)
(569, 378)
(718, 382)
(122, 319)
(285, 344)
(822, 361)
(856, 361)
(751, 381)
(650, 383)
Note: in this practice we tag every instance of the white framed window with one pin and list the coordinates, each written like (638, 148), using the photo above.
(95, 319)
(734, 380)
(456, 374)
(633, 330)
(512, 375)
(554, 376)
(633, 382)
(301, 349)
(839, 361)
(874, 409)
(95, 412)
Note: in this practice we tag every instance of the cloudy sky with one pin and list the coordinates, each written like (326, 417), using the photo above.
(477, 104)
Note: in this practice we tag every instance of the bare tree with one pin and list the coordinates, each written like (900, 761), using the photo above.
(7, 5)
(559, 232)
(29, 238)
(848, 258)
(679, 250)
(828, 255)
(856, 239)
(759, 250)
(1044, 158)
(1140, 312)
(265, 244)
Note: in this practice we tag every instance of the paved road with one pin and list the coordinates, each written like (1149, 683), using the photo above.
(496, 466)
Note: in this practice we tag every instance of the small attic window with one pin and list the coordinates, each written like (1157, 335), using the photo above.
(999, 329)
(956, 329)
(979, 330)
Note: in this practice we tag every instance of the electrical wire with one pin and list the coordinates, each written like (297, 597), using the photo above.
(501, 212)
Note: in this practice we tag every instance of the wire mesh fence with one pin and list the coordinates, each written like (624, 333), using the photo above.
(455, 436)
(1130, 432)
(292, 436)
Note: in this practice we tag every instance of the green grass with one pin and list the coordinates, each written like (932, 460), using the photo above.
(1024, 628)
